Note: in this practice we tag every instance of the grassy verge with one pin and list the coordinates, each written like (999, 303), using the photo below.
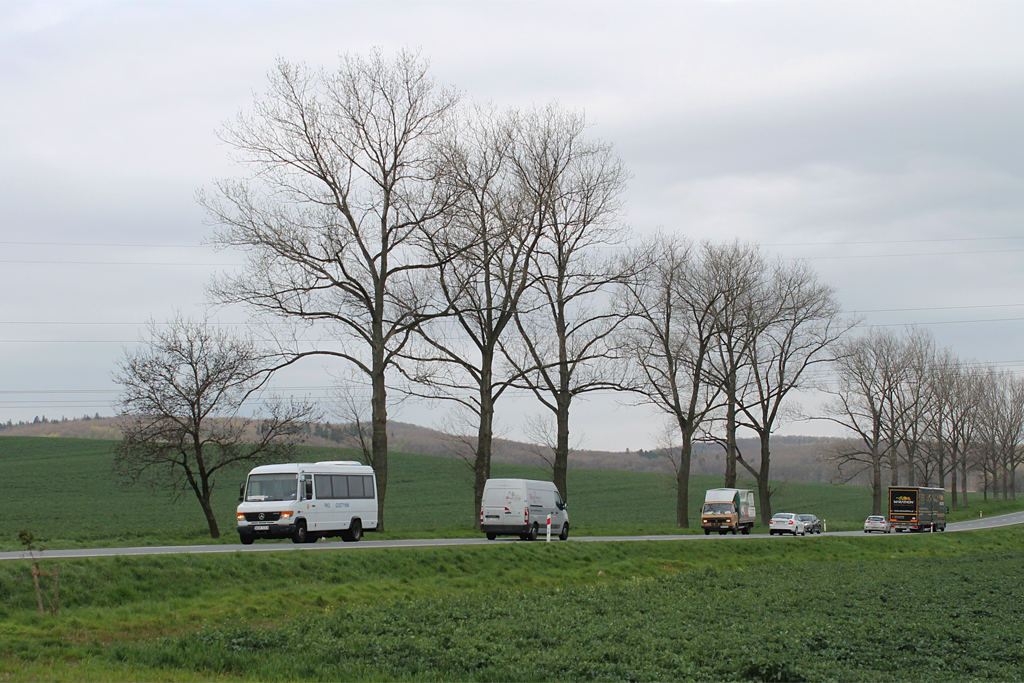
(761, 609)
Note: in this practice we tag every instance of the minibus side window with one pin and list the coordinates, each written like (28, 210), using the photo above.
(355, 486)
(323, 486)
(340, 485)
(367, 487)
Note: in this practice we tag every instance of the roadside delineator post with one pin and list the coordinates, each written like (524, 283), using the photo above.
(549, 528)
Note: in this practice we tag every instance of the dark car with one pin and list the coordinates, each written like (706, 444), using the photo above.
(811, 523)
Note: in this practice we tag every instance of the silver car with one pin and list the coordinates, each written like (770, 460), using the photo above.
(786, 523)
(877, 523)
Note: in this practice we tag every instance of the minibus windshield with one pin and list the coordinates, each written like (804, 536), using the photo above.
(270, 487)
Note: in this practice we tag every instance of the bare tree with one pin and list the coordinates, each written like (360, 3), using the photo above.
(484, 256)
(740, 271)
(343, 190)
(912, 404)
(672, 304)
(1001, 431)
(794, 333)
(180, 411)
(947, 439)
(565, 321)
(868, 370)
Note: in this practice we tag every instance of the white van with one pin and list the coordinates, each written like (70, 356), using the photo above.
(520, 507)
(307, 501)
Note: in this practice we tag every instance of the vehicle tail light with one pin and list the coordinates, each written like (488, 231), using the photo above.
(481, 514)
(526, 513)
(790, 521)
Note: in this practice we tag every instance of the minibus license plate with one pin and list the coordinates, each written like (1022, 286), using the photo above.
(263, 528)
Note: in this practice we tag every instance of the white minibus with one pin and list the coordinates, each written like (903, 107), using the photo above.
(307, 501)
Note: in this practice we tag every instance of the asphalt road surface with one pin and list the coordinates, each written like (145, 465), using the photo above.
(263, 547)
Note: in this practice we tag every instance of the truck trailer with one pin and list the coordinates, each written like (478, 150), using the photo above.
(917, 508)
(728, 510)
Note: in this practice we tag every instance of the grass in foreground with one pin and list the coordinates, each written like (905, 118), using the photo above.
(923, 607)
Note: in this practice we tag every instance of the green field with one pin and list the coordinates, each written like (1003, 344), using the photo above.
(929, 607)
(63, 491)
(922, 607)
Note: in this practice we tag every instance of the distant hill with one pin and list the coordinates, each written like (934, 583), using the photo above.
(794, 458)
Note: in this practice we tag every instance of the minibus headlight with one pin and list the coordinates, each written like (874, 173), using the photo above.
(287, 515)
(240, 516)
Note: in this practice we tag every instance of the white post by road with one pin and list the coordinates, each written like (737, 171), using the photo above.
(549, 528)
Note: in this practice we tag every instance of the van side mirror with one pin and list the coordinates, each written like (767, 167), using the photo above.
(562, 506)
(241, 492)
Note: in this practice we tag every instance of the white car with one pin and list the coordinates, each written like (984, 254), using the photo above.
(786, 523)
(877, 523)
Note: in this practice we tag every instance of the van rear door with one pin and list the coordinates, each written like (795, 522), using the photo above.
(504, 505)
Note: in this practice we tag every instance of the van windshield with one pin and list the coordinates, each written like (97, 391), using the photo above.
(270, 487)
(717, 508)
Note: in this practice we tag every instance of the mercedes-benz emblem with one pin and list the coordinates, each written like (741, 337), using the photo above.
(262, 517)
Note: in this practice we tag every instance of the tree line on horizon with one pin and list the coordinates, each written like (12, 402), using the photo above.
(461, 252)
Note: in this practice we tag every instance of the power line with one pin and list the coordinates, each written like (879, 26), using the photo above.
(118, 263)
(107, 244)
(870, 242)
(935, 253)
(947, 322)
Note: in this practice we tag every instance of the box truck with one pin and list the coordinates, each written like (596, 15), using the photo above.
(520, 507)
(917, 508)
(728, 510)
(307, 501)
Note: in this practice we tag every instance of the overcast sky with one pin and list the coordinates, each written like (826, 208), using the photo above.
(881, 140)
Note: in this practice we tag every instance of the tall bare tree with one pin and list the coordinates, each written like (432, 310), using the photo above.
(672, 303)
(868, 371)
(342, 191)
(912, 405)
(485, 265)
(565, 320)
(740, 271)
(180, 411)
(791, 335)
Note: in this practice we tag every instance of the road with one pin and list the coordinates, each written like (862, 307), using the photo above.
(971, 525)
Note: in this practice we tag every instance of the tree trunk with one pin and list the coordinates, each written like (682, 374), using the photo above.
(954, 501)
(730, 433)
(876, 464)
(963, 479)
(876, 485)
(484, 438)
(379, 445)
(211, 518)
(683, 481)
(762, 480)
(561, 465)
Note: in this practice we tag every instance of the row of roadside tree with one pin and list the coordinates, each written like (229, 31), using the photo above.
(460, 253)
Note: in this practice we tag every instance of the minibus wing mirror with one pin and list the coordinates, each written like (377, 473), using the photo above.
(241, 492)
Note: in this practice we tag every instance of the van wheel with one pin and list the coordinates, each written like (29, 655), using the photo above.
(246, 539)
(354, 532)
(532, 536)
(300, 533)
(746, 531)
(564, 536)
(491, 537)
